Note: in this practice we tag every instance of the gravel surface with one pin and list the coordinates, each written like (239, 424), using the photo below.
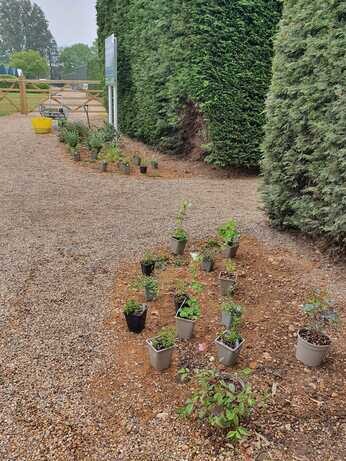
(64, 230)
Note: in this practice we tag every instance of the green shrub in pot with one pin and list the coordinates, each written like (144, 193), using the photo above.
(230, 236)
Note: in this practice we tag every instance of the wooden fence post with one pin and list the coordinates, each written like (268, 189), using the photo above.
(24, 109)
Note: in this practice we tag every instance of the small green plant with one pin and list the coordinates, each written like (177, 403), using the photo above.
(124, 162)
(210, 250)
(223, 401)
(232, 308)
(232, 337)
(229, 233)
(149, 258)
(319, 309)
(154, 163)
(109, 133)
(95, 140)
(164, 340)
(148, 283)
(230, 267)
(111, 153)
(192, 310)
(71, 138)
(179, 232)
(183, 374)
(181, 287)
(132, 307)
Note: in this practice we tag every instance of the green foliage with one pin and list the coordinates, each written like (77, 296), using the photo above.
(229, 232)
(319, 309)
(147, 282)
(132, 307)
(164, 340)
(232, 338)
(223, 401)
(199, 63)
(192, 311)
(95, 140)
(179, 232)
(149, 257)
(304, 147)
(230, 266)
(31, 62)
(71, 137)
(232, 308)
(80, 61)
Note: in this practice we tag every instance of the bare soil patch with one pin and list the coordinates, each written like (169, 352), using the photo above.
(306, 408)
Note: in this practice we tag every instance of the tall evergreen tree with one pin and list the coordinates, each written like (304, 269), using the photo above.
(305, 148)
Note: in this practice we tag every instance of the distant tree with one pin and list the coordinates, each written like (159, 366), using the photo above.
(31, 62)
(23, 26)
(80, 61)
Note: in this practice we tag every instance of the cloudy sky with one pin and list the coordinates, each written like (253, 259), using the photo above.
(71, 21)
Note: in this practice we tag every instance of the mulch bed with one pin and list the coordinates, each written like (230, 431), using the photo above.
(306, 410)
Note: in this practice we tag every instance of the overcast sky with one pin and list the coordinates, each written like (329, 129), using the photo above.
(71, 21)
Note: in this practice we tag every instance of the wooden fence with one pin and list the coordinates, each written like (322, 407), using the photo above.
(74, 95)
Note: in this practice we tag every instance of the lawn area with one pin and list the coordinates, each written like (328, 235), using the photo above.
(6, 108)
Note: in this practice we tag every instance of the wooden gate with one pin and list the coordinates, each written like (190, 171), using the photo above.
(25, 95)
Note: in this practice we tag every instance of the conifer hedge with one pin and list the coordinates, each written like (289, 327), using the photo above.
(305, 141)
(207, 60)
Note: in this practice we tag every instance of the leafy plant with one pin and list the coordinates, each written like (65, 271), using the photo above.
(164, 340)
(95, 140)
(71, 138)
(147, 282)
(319, 309)
(111, 153)
(191, 311)
(210, 250)
(109, 133)
(223, 401)
(149, 258)
(230, 267)
(232, 337)
(181, 287)
(154, 163)
(132, 307)
(184, 374)
(179, 232)
(229, 232)
(232, 308)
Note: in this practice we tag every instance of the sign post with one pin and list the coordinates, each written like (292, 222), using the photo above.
(111, 70)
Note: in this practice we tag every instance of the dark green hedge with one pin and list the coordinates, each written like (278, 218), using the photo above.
(305, 142)
(194, 72)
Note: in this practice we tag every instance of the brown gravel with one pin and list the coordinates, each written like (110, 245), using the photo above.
(64, 231)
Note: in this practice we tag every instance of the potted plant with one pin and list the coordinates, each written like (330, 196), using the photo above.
(186, 318)
(76, 154)
(161, 348)
(154, 164)
(179, 236)
(125, 166)
(143, 168)
(150, 286)
(229, 344)
(135, 315)
(137, 160)
(95, 142)
(103, 166)
(313, 343)
(228, 279)
(148, 263)
(222, 400)
(230, 236)
(208, 255)
(181, 296)
(230, 311)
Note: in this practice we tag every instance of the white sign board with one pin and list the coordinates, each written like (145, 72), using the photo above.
(111, 70)
(111, 60)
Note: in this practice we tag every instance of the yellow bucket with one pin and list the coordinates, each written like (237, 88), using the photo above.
(42, 125)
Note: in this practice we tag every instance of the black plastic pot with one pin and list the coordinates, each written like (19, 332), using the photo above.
(147, 268)
(180, 301)
(143, 169)
(207, 265)
(136, 323)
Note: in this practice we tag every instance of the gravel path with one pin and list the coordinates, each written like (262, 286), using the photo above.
(63, 231)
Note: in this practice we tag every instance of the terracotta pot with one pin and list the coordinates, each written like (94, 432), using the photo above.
(160, 360)
(178, 246)
(312, 355)
(227, 285)
(228, 356)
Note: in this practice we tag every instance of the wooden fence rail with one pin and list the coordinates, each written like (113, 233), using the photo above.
(74, 95)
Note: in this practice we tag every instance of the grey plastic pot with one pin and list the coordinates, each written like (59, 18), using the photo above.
(207, 265)
(226, 319)
(103, 166)
(230, 251)
(125, 169)
(227, 286)
(178, 246)
(160, 360)
(184, 327)
(137, 160)
(93, 155)
(228, 356)
(149, 295)
(76, 156)
(311, 355)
